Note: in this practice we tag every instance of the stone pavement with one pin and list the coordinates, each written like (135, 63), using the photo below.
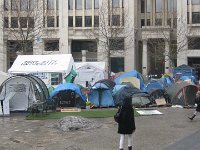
(156, 132)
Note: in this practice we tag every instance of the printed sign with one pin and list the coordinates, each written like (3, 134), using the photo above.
(41, 75)
(41, 63)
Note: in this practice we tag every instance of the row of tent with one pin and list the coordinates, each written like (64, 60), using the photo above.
(21, 91)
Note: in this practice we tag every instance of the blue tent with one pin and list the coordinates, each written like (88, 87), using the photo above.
(68, 86)
(154, 84)
(62, 95)
(133, 73)
(101, 96)
(185, 70)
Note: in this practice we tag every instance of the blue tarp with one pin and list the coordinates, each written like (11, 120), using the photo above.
(167, 81)
(133, 73)
(100, 95)
(154, 84)
(162, 84)
(68, 86)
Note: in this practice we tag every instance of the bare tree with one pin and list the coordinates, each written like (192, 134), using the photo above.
(113, 27)
(169, 34)
(23, 22)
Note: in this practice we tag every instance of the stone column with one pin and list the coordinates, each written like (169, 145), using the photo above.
(5, 53)
(144, 58)
(38, 41)
(63, 27)
(167, 58)
(70, 46)
(1, 40)
(84, 58)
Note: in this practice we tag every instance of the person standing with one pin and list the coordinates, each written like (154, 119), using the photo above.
(126, 124)
(197, 101)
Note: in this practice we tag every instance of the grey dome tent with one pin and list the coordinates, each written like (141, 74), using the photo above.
(19, 92)
(182, 93)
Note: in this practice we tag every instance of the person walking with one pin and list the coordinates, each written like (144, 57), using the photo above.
(197, 101)
(126, 123)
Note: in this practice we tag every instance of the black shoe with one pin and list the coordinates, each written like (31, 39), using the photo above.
(190, 118)
(130, 148)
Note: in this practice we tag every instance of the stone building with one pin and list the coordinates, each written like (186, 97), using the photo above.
(140, 34)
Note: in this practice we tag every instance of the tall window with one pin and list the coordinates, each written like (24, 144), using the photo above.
(70, 4)
(31, 22)
(6, 5)
(88, 21)
(88, 4)
(195, 17)
(117, 64)
(148, 6)
(50, 21)
(52, 45)
(116, 20)
(70, 21)
(115, 3)
(78, 21)
(6, 22)
(50, 4)
(96, 21)
(175, 5)
(195, 2)
(33, 4)
(24, 5)
(78, 4)
(116, 44)
(14, 4)
(96, 4)
(23, 22)
(169, 5)
(158, 5)
(14, 22)
(142, 6)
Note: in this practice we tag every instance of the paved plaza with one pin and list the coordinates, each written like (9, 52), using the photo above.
(155, 132)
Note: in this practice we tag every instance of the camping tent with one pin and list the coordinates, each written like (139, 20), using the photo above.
(140, 99)
(52, 69)
(133, 73)
(18, 93)
(101, 95)
(68, 94)
(182, 93)
(89, 72)
(185, 70)
(124, 92)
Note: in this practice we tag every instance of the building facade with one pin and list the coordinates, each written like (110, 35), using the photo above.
(150, 36)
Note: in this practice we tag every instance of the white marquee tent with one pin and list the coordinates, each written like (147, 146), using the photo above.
(89, 71)
(43, 65)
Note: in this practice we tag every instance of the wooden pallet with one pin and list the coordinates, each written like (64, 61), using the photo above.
(73, 109)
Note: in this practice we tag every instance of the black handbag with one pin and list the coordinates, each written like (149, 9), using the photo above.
(116, 116)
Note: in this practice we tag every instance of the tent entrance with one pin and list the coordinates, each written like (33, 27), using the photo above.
(66, 99)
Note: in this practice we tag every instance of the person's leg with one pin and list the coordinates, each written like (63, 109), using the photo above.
(121, 141)
(191, 118)
(130, 141)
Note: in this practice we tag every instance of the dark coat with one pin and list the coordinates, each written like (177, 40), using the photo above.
(197, 101)
(126, 123)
